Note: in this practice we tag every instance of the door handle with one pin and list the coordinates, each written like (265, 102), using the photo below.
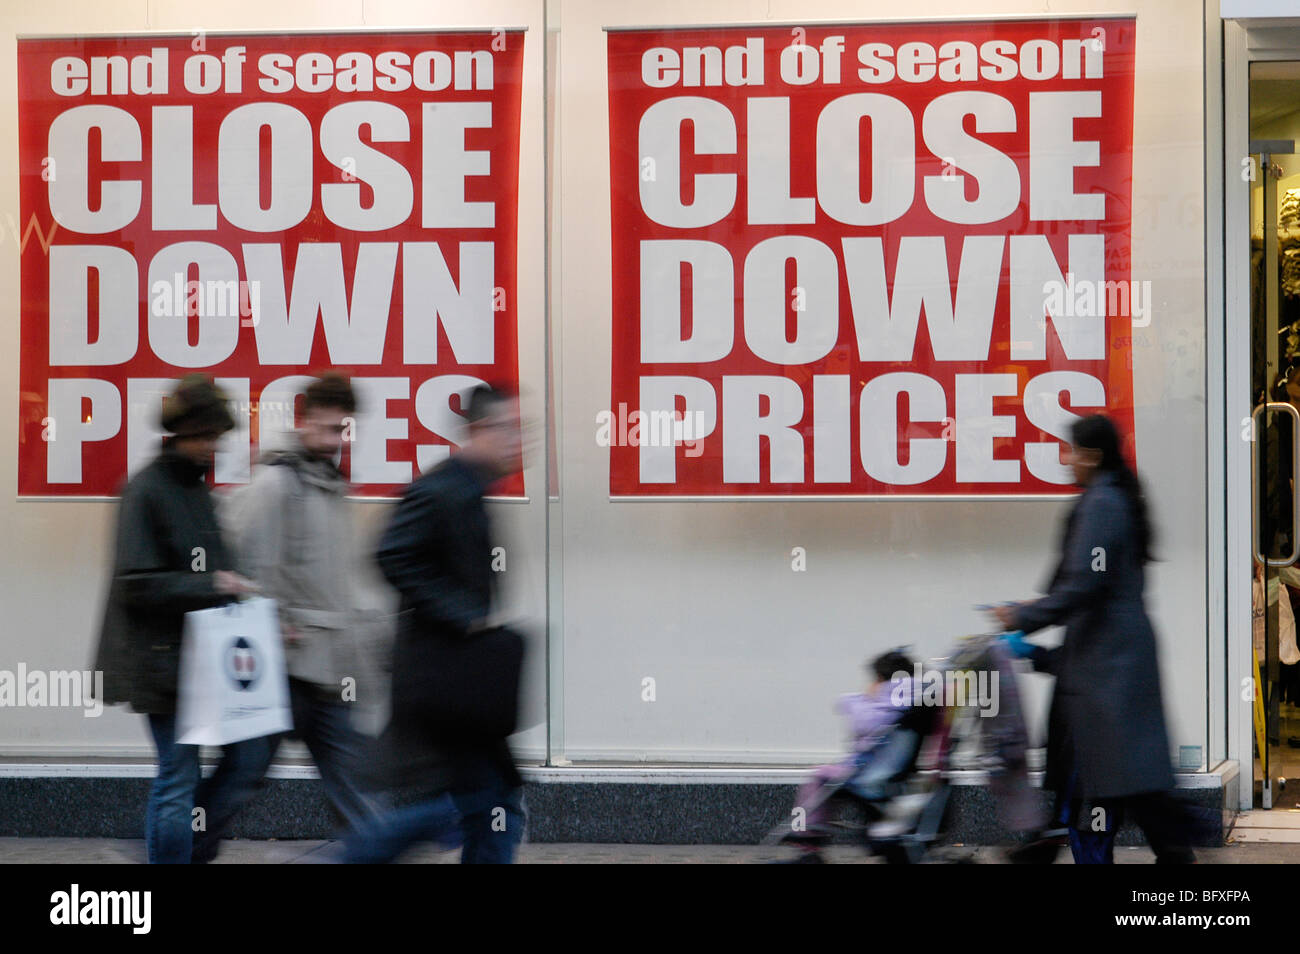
(1256, 468)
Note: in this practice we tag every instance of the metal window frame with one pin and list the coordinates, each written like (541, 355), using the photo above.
(1228, 347)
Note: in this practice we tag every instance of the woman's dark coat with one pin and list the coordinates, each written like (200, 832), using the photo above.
(1107, 720)
(168, 548)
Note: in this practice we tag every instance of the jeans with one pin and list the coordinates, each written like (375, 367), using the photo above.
(383, 838)
(1166, 822)
(878, 766)
(325, 726)
(174, 834)
(492, 824)
(487, 823)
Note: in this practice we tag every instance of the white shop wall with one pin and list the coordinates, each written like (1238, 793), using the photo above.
(747, 655)
(55, 566)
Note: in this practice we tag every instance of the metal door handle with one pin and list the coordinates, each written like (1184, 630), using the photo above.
(1256, 466)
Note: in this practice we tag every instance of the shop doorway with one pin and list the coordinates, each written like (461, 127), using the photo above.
(1273, 169)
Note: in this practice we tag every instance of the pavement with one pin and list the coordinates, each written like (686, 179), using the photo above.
(83, 851)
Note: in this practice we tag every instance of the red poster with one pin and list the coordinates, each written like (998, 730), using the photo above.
(868, 260)
(259, 208)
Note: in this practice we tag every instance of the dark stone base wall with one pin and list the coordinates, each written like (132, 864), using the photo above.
(591, 812)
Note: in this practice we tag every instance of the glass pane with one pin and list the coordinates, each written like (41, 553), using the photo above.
(824, 291)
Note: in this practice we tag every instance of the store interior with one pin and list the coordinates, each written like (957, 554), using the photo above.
(1275, 314)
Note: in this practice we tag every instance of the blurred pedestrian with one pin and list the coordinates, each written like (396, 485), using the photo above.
(437, 553)
(170, 559)
(1107, 750)
(872, 717)
(291, 533)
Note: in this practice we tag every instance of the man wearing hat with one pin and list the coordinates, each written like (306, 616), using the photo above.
(169, 560)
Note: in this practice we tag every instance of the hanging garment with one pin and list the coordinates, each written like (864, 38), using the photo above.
(1288, 212)
(1288, 652)
(1291, 271)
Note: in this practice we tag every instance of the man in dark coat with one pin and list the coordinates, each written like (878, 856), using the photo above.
(170, 559)
(437, 553)
(1108, 748)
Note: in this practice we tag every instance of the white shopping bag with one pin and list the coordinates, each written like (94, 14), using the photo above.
(232, 679)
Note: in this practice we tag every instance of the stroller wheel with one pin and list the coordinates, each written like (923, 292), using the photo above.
(895, 853)
(812, 839)
(803, 858)
(1041, 850)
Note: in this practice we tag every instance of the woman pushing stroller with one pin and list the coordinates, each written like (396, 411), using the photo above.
(1107, 748)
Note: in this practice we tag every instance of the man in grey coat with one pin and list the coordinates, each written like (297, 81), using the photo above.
(291, 532)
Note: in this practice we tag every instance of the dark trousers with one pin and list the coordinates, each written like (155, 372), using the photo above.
(488, 824)
(1163, 819)
(491, 824)
(325, 726)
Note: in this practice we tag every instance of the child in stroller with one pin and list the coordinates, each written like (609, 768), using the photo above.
(906, 747)
(880, 753)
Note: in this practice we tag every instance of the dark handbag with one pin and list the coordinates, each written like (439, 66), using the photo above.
(468, 686)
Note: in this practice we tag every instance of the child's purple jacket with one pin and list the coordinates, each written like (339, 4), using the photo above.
(870, 714)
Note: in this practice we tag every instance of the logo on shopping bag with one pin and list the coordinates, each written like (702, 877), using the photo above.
(242, 665)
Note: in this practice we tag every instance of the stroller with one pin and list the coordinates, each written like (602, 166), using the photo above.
(901, 795)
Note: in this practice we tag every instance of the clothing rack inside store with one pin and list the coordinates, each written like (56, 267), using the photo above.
(1286, 238)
